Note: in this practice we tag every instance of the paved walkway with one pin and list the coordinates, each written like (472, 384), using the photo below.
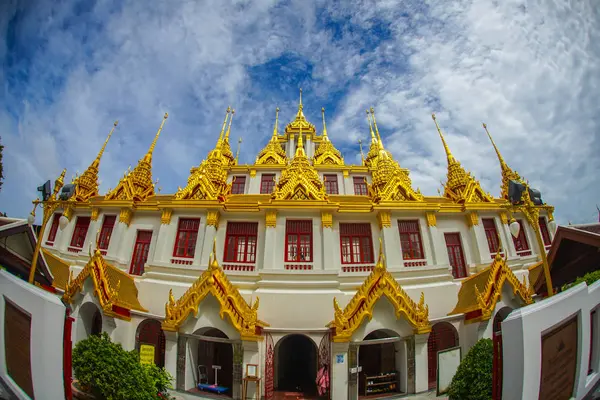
(421, 396)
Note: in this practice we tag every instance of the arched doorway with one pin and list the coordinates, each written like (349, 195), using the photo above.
(215, 353)
(501, 316)
(379, 376)
(90, 321)
(443, 336)
(149, 332)
(296, 364)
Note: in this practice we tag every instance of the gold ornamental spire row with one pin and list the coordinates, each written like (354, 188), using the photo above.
(449, 155)
(148, 156)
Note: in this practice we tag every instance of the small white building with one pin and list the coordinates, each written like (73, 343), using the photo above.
(295, 263)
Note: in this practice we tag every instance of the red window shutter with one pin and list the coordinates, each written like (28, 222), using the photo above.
(491, 234)
(544, 231)
(356, 243)
(54, 227)
(140, 252)
(410, 240)
(81, 227)
(298, 241)
(360, 186)
(238, 185)
(106, 232)
(331, 184)
(240, 242)
(187, 236)
(267, 183)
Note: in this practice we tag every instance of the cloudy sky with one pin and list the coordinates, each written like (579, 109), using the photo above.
(529, 69)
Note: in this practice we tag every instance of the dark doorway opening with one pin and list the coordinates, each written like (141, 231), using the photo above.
(215, 354)
(379, 376)
(150, 332)
(499, 317)
(297, 365)
(96, 323)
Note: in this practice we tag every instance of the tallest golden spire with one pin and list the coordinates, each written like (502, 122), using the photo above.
(507, 173)
(148, 156)
(86, 186)
(461, 187)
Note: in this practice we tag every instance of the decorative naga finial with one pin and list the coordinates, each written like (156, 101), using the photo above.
(376, 129)
(148, 156)
(446, 148)
(229, 126)
(324, 125)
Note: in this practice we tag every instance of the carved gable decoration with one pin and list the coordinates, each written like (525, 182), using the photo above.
(391, 183)
(214, 281)
(379, 283)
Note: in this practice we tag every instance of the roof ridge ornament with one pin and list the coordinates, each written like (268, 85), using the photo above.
(272, 153)
(326, 153)
(508, 174)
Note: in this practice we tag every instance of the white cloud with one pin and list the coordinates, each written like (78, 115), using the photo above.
(530, 70)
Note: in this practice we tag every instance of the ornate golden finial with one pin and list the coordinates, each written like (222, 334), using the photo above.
(101, 152)
(507, 173)
(324, 126)
(229, 126)
(446, 148)
(223, 127)
(213, 255)
(300, 107)
(381, 258)
(300, 147)
(376, 129)
(275, 133)
(148, 156)
(237, 153)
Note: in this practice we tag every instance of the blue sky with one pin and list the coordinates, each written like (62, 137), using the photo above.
(529, 69)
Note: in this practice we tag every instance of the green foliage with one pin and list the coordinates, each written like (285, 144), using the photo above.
(114, 373)
(588, 278)
(473, 379)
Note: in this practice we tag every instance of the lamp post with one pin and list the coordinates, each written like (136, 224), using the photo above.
(532, 214)
(48, 205)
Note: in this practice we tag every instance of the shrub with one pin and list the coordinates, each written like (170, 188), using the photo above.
(473, 379)
(114, 373)
(588, 278)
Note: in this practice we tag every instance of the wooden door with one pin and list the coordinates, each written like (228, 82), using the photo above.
(140, 252)
(456, 255)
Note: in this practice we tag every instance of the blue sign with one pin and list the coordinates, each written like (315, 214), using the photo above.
(339, 358)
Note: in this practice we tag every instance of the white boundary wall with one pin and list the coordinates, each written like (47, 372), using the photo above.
(522, 334)
(47, 326)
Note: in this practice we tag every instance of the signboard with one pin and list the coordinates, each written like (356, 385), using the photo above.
(339, 358)
(448, 361)
(147, 354)
(17, 345)
(559, 361)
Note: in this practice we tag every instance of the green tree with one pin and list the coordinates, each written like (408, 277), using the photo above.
(473, 379)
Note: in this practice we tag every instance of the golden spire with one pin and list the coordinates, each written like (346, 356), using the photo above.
(137, 185)
(148, 156)
(507, 173)
(449, 155)
(300, 114)
(220, 140)
(237, 154)
(229, 127)
(376, 129)
(373, 138)
(86, 185)
(461, 187)
(300, 121)
(300, 147)
(272, 153)
(326, 153)
(324, 125)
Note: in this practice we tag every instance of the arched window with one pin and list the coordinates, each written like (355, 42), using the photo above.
(443, 336)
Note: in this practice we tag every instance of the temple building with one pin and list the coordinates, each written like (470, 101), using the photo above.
(296, 265)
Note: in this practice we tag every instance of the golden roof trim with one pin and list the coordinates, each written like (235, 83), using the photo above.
(481, 291)
(243, 316)
(379, 283)
(112, 287)
(59, 268)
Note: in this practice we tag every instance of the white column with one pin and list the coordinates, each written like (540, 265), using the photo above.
(421, 363)
(309, 148)
(391, 240)
(63, 242)
(507, 240)
(252, 356)
(212, 224)
(328, 242)
(477, 233)
(347, 184)
(270, 240)
(437, 242)
(291, 147)
(339, 371)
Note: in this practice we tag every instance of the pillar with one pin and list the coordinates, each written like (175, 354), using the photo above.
(421, 363)
(238, 362)
(328, 241)
(347, 183)
(410, 365)
(117, 239)
(340, 368)
(436, 239)
(161, 252)
(506, 236)
(477, 232)
(210, 232)
(251, 356)
(309, 147)
(291, 147)
(391, 240)
(270, 239)
(171, 353)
